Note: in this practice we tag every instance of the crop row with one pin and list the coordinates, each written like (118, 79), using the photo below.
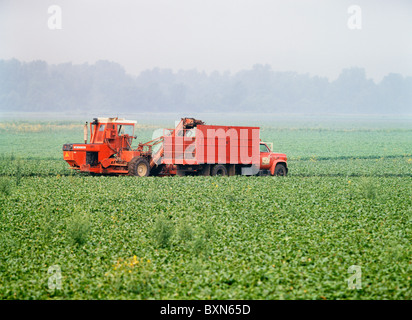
(296, 144)
(393, 166)
(206, 237)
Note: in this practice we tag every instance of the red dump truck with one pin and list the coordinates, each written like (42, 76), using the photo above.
(191, 148)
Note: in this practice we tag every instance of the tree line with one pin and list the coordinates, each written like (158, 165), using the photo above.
(106, 87)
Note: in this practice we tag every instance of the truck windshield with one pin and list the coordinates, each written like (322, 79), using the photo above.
(125, 129)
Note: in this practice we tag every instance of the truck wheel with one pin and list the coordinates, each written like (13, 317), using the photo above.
(180, 173)
(139, 166)
(280, 170)
(205, 170)
(219, 170)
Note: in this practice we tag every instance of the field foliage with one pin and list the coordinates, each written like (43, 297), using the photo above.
(346, 201)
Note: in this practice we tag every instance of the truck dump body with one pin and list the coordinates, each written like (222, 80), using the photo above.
(211, 144)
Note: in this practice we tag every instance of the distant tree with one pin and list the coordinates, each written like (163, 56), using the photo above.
(105, 87)
(395, 94)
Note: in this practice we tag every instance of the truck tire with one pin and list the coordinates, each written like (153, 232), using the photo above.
(219, 170)
(180, 170)
(231, 171)
(180, 173)
(139, 167)
(205, 170)
(280, 170)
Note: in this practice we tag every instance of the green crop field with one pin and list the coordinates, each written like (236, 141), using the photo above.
(347, 201)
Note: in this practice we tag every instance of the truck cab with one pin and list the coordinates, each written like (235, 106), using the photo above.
(271, 162)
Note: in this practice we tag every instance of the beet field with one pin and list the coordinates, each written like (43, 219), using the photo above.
(337, 227)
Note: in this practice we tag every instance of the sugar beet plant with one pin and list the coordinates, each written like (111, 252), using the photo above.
(78, 228)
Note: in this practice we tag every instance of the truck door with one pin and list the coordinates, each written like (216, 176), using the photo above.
(264, 156)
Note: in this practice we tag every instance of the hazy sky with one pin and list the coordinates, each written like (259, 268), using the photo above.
(307, 36)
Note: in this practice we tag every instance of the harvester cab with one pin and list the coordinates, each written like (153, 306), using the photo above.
(109, 148)
(116, 132)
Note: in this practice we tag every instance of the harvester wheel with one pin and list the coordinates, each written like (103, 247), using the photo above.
(280, 170)
(139, 166)
(219, 170)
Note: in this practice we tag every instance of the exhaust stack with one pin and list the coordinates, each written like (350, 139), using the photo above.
(85, 132)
